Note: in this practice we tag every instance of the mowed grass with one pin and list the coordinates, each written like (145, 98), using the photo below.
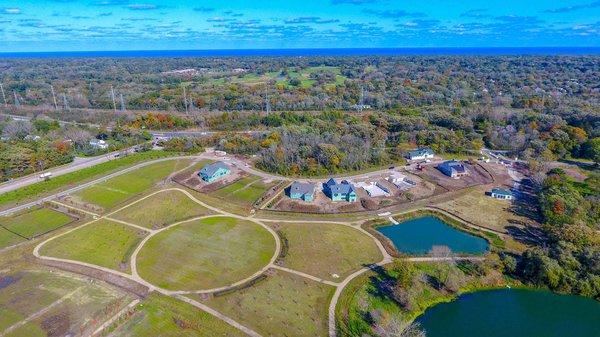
(8, 238)
(161, 209)
(164, 316)
(118, 189)
(103, 243)
(323, 250)
(244, 191)
(205, 254)
(284, 304)
(36, 222)
(77, 304)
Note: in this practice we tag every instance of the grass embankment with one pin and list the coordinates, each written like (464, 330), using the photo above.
(65, 181)
(204, 254)
(103, 243)
(116, 190)
(323, 250)
(161, 209)
(283, 304)
(369, 299)
(245, 191)
(34, 223)
(159, 315)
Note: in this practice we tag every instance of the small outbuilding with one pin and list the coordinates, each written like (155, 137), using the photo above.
(214, 171)
(343, 191)
(420, 154)
(501, 193)
(99, 144)
(453, 169)
(302, 191)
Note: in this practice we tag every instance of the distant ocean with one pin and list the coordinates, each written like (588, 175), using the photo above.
(311, 52)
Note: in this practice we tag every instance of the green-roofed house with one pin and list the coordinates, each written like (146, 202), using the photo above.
(500, 193)
(420, 154)
(214, 171)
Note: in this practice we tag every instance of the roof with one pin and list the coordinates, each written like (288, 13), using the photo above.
(343, 188)
(211, 169)
(501, 191)
(421, 152)
(302, 188)
(331, 182)
(455, 165)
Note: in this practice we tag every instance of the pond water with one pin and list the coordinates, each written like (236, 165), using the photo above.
(513, 313)
(417, 236)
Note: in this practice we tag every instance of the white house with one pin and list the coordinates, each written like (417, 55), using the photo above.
(99, 144)
(420, 154)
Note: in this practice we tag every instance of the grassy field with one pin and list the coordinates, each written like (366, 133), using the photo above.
(65, 181)
(8, 239)
(325, 249)
(77, 304)
(244, 191)
(161, 209)
(163, 316)
(36, 222)
(205, 254)
(118, 189)
(281, 303)
(103, 243)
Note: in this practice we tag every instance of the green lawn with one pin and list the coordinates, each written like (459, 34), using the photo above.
(244, 191)
(34, 223)
(204, 254)
(161, 209)
(325, 249)
(103, 243)
(8, 239)
(163, 316)
(283, 302)
(118, 189)
(29, 291)
(71, 179)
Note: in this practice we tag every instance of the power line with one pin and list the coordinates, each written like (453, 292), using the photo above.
(122, 103)
(185, 100)
(54, 98)
(3, 95)
(112, 95)
(17, 103)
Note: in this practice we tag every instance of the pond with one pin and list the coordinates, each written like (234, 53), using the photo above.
(513, 313)
(418, 236)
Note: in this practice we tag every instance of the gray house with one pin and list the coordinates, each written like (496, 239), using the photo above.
(453, 169)
(302, 191)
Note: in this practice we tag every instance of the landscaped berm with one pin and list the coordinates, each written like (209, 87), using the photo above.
(204, 254)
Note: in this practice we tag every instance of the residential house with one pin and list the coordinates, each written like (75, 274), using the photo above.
(302, 191)
(343, 191)
(214, 171)
(99, 144)
(420, 154)
(453, 169)
(500, 193)
(401, 181)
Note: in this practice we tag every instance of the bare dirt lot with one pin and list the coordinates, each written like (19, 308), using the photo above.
(477, 176)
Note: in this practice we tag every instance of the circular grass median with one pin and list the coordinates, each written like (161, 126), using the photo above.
(205, 254)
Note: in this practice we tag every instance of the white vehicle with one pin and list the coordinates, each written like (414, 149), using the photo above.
(46, 175)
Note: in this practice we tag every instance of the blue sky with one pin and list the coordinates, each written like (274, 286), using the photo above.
(67, 25)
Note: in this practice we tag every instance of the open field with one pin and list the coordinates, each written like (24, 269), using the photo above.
(323, 250)
(118, 189)
(283, 304)
(103, 243)
(161, 209)
(8, 238)
(41, 303)
(36, 222)
(245, 191)
(163, 316)
(205, 254)
(71, 179)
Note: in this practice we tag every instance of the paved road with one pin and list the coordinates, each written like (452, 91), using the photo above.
(77, 164)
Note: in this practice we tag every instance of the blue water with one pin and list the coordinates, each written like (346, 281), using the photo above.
(310, 52)
(513, 313)
(418, 236)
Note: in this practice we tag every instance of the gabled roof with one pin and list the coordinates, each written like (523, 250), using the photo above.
(344, 188)
(302, 188)
(211, 169)
(455, 165)
(331, 182)
(421, 152)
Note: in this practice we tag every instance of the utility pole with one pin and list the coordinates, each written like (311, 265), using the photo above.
(66, 103)
(17, 103)
(112, 95)
(3, 95)
(54, 98)
(267, 102)
(122, 103)
(185, 101)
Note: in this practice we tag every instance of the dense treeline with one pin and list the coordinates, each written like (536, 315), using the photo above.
(570, 260)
